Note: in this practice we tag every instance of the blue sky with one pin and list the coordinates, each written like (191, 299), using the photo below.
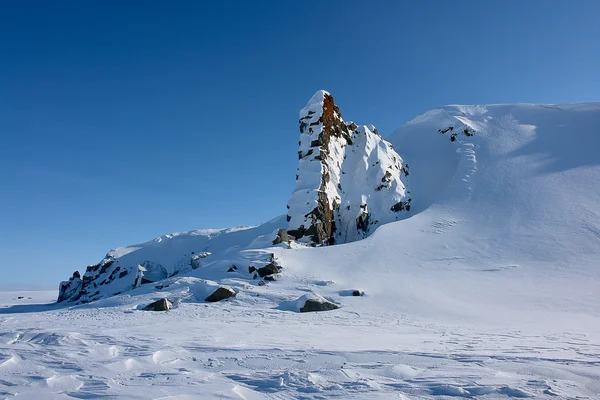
(122, 121)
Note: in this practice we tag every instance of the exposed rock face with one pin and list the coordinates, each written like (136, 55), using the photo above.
(159, 305)
(71, 289)
(349, 179)
(223, 292)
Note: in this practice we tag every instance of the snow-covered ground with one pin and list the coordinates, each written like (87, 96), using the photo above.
(489, 290)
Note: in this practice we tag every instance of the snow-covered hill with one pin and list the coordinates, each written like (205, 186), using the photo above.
(487, 288)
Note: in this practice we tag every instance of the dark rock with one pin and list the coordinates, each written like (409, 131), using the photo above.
(262, 283)
(314, 305)
(159, 305)
(233, 268)
(251, 269)
(268, 269)
(223, 292)
(358, 293)
(72, 289)
(401, 205)
(255, 276)
(362, 222)
(20, 297)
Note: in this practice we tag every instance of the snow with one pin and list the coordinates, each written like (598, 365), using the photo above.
(488, 290)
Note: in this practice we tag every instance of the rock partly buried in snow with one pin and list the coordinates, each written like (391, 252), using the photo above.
(159, 305)
(349, 179)
(268, 269)
(222, 293)
(312, 305)
(309, 303)
(283, 237)
(358, 293)
(71, 289)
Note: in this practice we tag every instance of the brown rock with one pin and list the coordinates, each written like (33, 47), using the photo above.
(314, 305)
(159, 305)
(223, 292)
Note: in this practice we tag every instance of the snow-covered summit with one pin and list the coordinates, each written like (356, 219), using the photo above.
(349, 179)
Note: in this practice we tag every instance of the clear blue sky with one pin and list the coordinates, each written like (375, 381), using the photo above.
(124, 120)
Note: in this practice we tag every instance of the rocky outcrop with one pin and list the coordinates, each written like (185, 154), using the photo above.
(159, 305)
(71, 289)
(222, 293)
(349, 179)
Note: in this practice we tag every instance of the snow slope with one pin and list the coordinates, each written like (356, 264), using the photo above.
(488, 290)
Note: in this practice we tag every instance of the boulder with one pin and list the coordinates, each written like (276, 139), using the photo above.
(159, 305)
(268, 269)
(312, 305)
(283, 237)
(222, 293)
(358, 293)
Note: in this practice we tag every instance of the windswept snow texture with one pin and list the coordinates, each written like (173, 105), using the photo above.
(489, 289)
